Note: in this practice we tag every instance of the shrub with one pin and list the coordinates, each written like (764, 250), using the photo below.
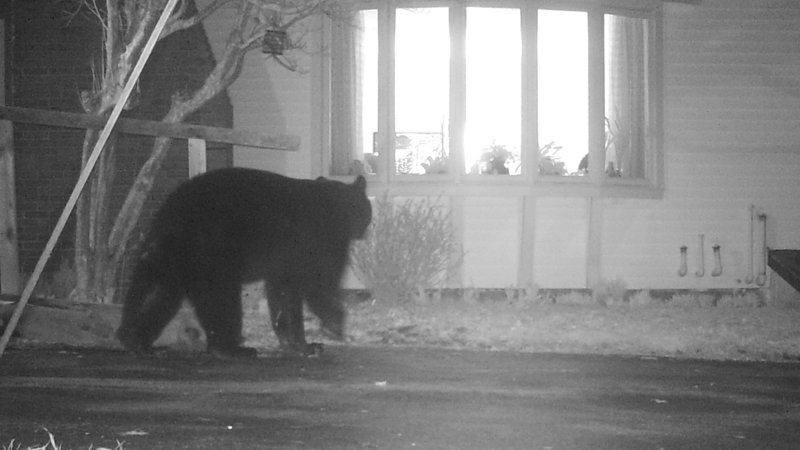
(610, 292)
(642, 298)
(409, 247)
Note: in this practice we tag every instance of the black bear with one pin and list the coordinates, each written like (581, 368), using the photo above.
(231, 226)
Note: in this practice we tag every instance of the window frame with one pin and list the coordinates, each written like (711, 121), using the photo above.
(529, 181)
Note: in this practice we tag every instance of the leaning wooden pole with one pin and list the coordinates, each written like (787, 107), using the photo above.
(84, 175)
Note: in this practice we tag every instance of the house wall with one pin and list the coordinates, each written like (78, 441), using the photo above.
(268, 99)
(731, 140)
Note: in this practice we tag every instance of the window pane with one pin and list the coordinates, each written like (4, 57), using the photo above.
(354, 96)
(422, 80)
(563, 91)
(626, 99)
(492, 137)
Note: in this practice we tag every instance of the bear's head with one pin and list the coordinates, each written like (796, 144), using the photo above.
(351, 199)
(360, 208)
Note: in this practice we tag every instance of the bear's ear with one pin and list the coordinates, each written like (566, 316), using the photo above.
(360, 183)
(320, 179)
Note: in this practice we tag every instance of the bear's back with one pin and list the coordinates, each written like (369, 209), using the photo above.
(245, 209)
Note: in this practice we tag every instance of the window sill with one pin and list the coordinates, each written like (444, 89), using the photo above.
(512, 186)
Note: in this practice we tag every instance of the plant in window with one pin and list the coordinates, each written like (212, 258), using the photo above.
(405, 163)
(408, 248)
(549, 161)
(436, 163)
(495, 160)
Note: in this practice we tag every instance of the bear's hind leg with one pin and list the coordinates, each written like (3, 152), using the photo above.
(219, 309)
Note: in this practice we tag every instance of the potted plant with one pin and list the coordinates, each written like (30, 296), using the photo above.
(495, 159)
(549, 161)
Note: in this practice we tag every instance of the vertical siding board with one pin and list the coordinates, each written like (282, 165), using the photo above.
(269, 99)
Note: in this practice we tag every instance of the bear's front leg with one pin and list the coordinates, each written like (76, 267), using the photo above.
(286, 312)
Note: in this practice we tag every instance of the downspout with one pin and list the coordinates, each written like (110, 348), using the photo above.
(751, 252)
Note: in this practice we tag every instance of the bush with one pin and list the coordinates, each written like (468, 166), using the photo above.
(610, 292)
(409, 248)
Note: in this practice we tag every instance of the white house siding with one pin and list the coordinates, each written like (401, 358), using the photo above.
(732, 139)
(267, 98)
(490, 236)
(281, 106)
(560, 243)
(732, 128)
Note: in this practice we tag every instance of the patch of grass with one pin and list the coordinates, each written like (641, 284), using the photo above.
(684, 301)
(51, 444)
(745, 300)
(643, 298)
(573, 298)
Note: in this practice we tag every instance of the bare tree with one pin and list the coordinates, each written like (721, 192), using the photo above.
(100, 243)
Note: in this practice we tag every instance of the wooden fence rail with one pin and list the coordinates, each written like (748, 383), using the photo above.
(196, 136)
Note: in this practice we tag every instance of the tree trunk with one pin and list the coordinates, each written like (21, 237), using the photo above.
(99, 254)
(82, 224)
(102, 184)
(128, 216)
(226, 71)
(92, 220)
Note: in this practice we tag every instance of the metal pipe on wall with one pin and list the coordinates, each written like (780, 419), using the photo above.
(751, 251)
(717, 271)
(684, 266)
(761, 279)
(701, 258)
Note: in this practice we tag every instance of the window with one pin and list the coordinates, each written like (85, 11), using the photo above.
(627, 115)
(421, 90)
(493, 91)
(563, 88)
(450, 93)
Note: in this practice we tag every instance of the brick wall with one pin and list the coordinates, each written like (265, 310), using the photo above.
(50, 53)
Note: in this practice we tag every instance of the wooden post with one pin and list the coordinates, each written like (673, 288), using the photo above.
(527, 234)
(594, 240)
(455, 274)
(597, 157)
(197, 156)
(9, 254)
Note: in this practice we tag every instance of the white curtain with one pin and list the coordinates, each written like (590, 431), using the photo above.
(346, 146)
(626, 103)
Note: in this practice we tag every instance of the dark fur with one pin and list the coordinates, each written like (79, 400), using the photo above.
(231, 226)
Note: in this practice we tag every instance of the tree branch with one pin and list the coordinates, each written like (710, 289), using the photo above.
(182, 24)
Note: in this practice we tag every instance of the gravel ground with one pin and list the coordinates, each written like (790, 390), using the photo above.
(687, 326)
(726, 328)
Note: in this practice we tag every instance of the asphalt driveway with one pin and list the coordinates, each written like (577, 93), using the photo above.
(394, 398)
